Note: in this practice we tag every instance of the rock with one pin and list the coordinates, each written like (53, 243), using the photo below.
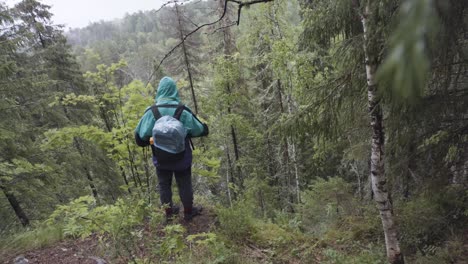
(98, 260)
(20, 260)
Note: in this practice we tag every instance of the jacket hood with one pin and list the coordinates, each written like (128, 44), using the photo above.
(167, 91)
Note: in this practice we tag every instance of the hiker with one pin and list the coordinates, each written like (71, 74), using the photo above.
(168, 104)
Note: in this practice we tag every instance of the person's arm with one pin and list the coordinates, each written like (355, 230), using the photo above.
(144, 129)
(195, 127)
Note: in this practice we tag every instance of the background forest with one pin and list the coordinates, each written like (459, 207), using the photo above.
(338, 130)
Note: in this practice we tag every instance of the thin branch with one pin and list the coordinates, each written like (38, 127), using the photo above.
(189, 20)
(241, 4)
(183, 40)
(166, 4)
(221, 28)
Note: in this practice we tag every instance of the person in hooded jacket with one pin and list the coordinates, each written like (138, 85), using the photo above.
(167, 98)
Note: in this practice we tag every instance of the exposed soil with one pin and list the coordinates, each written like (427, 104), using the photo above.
(69, 251)
(199, 224)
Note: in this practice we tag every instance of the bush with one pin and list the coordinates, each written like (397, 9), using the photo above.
(81, 217)
(207, 248)
(365, 226)
(173, 242)
(236, 223)
(325, 203)
(428, 220)
(450, 252)
(421, 221)
(287, 221)
(271, 235)
(263, 196)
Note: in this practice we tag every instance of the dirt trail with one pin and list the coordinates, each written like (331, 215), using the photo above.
(88, 250)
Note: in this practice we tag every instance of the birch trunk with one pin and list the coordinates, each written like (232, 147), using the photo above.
(354, 168)
(460, 169)
(292, 148)
(377, 170)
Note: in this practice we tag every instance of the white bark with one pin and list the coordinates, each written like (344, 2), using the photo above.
(379, 180)
(460, 169)
(354, 168)
(296, 172)
(292, 150)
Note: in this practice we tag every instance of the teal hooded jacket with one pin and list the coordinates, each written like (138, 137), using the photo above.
(167, 93)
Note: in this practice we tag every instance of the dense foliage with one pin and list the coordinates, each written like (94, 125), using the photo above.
(293, 111)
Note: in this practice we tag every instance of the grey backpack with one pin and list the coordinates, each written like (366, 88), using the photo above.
(169, 134)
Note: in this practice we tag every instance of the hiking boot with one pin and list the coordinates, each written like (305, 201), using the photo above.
(190, 213)
(171, 213)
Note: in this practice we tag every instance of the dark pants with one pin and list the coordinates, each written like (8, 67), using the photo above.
(184, 184)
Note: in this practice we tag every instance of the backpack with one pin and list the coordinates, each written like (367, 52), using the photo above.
(169, 134)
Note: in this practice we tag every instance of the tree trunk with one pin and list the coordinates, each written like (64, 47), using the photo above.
(80, 150)
(460, 169)
(35, 26)
(16, 206)
(91, 183)
(292, 150)
(296, 170)
(289, 149)
(285, 158)
(236, 156)
(88, 172)
(147, 173)
(124, 176)
(354, 168)
(228, 47)
(377, 170)
(133, 166)
(186, 59)
(227, 187)
(230, 168)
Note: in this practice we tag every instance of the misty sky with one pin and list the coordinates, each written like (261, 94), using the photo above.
(79, 13)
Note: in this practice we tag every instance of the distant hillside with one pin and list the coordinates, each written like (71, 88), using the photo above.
(137, 38)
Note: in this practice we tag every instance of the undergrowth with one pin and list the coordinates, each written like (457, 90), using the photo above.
(329, 226)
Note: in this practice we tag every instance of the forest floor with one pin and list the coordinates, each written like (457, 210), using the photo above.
(93, 249)
(89, 250)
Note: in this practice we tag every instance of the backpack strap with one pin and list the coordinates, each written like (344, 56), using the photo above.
(178, 112)
(156, 112)
(191, 143)
(169, 105)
